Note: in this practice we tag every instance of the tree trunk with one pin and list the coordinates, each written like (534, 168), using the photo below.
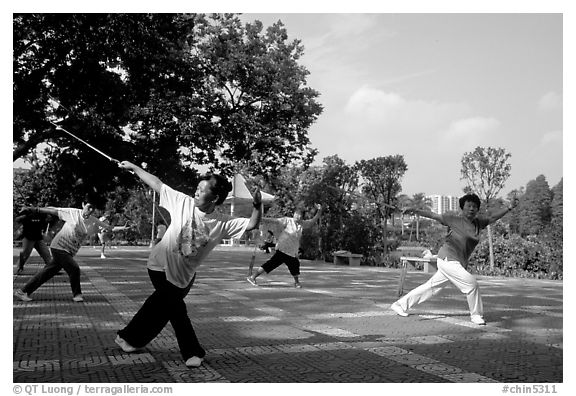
(417, 227)
(490, 247)
(385, 242)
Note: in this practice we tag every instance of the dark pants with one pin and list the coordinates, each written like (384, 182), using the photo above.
(280, 258)
(60, 260)
(165, 305)
(28, 245)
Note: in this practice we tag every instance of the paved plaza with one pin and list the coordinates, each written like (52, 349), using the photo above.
(337, 328)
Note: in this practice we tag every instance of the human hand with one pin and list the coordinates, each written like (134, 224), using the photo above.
(127, 165)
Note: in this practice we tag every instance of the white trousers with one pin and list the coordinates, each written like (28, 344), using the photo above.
(448, 271)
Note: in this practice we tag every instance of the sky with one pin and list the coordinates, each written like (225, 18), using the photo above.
(432, 87)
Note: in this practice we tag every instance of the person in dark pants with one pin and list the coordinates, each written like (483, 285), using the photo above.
(34, 225)
(287, 248)
(195, 229)
(79, 223)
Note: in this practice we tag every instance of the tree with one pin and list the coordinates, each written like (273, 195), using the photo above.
(419, 201)
(535, 209)
(381, 183)
(486, 171)
(166, 89)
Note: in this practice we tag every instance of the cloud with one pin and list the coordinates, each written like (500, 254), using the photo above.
(551, 138)
(471, 131)
(374, 108)
(550, 101)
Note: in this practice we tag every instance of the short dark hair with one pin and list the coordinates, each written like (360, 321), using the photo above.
(469, 197)
(221, 186)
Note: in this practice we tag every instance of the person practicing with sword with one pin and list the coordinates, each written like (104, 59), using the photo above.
(288, 245)
(462, 237)
(79, 223)
(196, 227)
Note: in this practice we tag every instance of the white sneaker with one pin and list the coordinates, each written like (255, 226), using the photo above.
(22, 296)
(477, 319)
(124, 345)
(78, 298)
(102, 256)
(398, 309)
(194, 361)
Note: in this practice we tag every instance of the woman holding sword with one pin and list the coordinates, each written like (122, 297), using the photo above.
(195, 229)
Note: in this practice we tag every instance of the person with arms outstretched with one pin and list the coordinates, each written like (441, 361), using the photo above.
(79, 223)
(462, 237)
(288, 245)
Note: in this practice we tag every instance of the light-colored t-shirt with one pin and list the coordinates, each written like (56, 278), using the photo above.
(289, 239)
(75, 229)
(463, 236)
(190, 237)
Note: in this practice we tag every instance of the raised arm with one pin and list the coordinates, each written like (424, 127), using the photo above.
(497, 215)
(152, 181)
(424, 213)
(48, 210)
(256, 211)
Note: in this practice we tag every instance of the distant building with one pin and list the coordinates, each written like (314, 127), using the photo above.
(443, 203)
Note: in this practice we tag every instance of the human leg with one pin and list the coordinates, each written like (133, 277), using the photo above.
(43, 276)
(294, 267)
(275, 261)
(43, 251)
(27, 246)
(164, 305)
(467, 284)
(72, 269)
(423, 292)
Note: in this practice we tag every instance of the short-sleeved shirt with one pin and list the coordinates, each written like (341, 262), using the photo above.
(462, 237)
(289, 239)
(33, 226)
(75, 229)
(191, 236)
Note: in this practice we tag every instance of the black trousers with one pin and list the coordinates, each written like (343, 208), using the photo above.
(280, 258)
(165, 305)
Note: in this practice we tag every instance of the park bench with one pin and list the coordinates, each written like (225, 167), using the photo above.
(343, 257)
(428, 262)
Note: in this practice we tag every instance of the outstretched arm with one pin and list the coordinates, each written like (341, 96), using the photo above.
(312, 221)
(48, 210)
(152, 181)
(424, 213)
(493, 217)
(256, 212)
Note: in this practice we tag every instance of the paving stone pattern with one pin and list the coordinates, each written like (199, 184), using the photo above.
(337, 328)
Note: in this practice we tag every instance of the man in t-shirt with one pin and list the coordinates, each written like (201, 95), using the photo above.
(195, 229)
(288, 245)
(34, 225)
(462, 237)
(79, 223)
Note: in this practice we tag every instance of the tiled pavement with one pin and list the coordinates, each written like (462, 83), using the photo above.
(337, 328)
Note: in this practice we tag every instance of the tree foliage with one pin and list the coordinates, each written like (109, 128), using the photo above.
(535, 209)
(169, 90)
(381, 183)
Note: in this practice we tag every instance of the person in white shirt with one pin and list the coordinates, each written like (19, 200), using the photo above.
(105, 235)
(195, 229)
(288, 245)
(79, 223)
